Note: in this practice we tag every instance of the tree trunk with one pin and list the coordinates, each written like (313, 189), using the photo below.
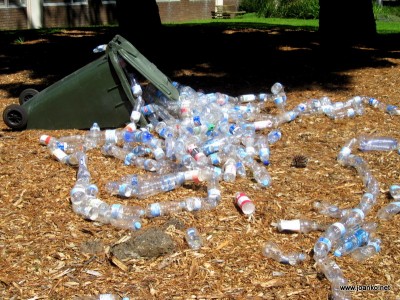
(140, 23)
(344, 23)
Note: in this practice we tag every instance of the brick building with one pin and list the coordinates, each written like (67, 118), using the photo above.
(23, 14)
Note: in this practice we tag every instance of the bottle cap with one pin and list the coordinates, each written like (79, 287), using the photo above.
(45, 139)
(135, 116)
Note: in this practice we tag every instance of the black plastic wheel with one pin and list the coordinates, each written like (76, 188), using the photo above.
(15, 116)
(27, 95)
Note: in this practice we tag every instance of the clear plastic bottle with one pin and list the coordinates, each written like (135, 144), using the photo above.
(120, 189)
(261, 174)
(159, 209)
(193, 238)
(353, 241)
(274, 136)
(394, 191)
(363, 253)
(229, 170)
(300, 225)
(328, 209)
(389, 211)
(369, 143)
(245, 204)
(253, 97)
(100, 48)
(262, 147)
(271, 250)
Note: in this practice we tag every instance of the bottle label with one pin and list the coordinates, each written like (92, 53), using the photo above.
(247, 98)
(290, 225)
(192, 175)
(341, 228)
(242, 199)
(111, 136)
(230, 169)
(263, 124)
(214, 193)
(59, 154)
(325, 241)
(115, 211)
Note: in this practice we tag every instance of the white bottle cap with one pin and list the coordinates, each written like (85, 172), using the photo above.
(135, 116)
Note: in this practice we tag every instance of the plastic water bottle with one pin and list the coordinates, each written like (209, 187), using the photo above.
(261, 174)
(377, 143)
(119, 189)
(394, 191)
(274, 136)
(336, 277)
(193, 238)
(271, 250)
(159, 209)
(328, 209)
(363, 253)
(100, 48)
(389, 211)
(244, 203)
(353, 241)
(300, 225)
(229, 170)
(253, 97)
(262, 147)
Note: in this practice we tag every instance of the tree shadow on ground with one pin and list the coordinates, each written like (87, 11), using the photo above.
(232, 60)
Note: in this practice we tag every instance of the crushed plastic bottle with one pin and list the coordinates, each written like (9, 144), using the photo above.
(271, 250)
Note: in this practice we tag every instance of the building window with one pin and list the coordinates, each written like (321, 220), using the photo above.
(63, 2)
(12, 3)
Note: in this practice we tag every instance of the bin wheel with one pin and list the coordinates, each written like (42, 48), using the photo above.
(27, 95)
(15, 116)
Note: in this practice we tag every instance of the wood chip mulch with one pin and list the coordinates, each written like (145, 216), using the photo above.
(49, 252)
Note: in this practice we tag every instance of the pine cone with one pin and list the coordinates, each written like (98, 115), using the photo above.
(299, 161)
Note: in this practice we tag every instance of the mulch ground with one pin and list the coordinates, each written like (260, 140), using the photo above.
(49, 252)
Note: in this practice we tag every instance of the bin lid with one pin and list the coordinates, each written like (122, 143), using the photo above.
(122, 47)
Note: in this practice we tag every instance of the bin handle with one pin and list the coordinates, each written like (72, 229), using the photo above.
(112, 54)
(142, 65)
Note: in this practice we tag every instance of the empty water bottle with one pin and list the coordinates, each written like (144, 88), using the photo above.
(363, 253)
(100, 48)
(395, 191)
(389, 211)
(271, 250)
(368, 143)
(244, 203)
(193, 238)
(274, 136)
(300, 225)
(328, 209)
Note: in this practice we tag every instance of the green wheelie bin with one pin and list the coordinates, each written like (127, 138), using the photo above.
(98, 92)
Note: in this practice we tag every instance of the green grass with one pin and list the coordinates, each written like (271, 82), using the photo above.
(251, 20)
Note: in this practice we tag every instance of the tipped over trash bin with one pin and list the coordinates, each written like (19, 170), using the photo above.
(98, 92)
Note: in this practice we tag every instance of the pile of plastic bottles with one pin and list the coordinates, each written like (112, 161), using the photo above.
(212, 138)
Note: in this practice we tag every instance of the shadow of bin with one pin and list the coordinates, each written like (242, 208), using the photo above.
(99, 92)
